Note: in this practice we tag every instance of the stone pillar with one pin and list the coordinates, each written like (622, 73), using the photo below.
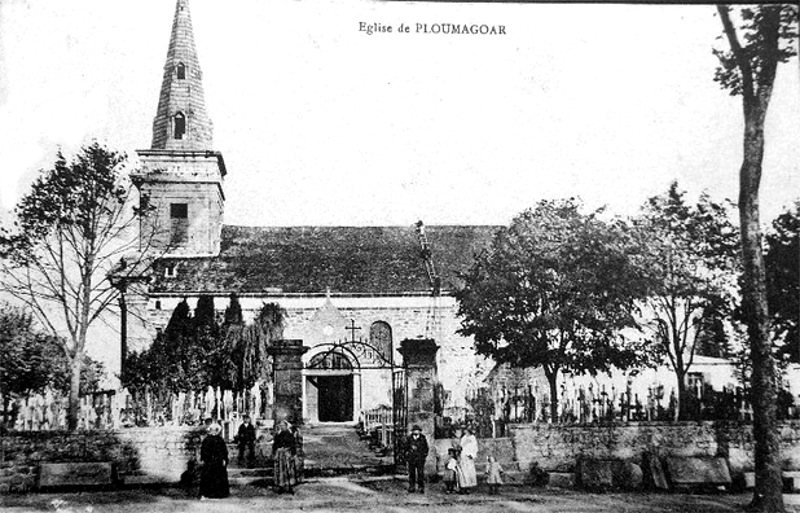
(287, 369)
(419, 360)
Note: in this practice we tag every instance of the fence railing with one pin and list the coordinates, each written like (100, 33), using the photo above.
(377, 425)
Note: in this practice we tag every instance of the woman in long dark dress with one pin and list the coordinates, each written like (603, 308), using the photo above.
(284, 451)
(214, 458)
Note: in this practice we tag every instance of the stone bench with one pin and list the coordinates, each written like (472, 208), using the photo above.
(76, 474)
(689, 472)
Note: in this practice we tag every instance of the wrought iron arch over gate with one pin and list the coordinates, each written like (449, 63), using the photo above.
(368, 356)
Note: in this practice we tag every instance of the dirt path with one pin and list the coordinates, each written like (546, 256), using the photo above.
(339, 495)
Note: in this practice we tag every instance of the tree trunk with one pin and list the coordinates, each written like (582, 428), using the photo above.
(756, 90)
(74, 392)
(769, 483)
(552, 377)
(681, 408)
(6, 424)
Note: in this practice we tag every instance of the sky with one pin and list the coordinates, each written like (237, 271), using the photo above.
(322, 124)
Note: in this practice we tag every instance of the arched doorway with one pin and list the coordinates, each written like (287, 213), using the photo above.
(330, 387)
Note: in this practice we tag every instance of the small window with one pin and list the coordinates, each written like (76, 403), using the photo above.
(158, 304)
(179, 211)
(179, 223)
(180, 125)
(181, 71)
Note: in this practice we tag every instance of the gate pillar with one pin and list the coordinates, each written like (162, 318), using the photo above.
(419, 361)
(287, 372)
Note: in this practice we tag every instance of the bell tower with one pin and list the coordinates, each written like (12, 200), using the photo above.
(182, 177)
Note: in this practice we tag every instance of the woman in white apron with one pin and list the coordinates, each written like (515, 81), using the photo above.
(467, 478)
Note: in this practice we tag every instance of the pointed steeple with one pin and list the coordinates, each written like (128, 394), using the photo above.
(181, 121)
(180, 174)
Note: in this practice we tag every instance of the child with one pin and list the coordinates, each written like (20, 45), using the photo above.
(450, 466)
(494, 475)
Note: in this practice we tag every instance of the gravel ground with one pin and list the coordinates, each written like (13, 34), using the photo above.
(341, 494)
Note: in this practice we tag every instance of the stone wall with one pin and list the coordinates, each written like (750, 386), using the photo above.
(147, 455)
(558, 447)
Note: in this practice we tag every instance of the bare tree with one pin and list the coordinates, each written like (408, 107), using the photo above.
(77, 224)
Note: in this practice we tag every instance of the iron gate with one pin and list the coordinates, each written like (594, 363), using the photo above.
(399, 413)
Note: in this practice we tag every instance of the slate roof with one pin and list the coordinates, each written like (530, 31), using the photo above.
(311, 259)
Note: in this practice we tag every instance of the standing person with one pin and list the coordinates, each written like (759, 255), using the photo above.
(284, 451)
(450, 466)
(300, 455)
(416, 452)
(246, 438)
(466, 462)
(494, 475)
(214, 460)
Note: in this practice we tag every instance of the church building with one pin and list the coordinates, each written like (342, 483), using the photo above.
(362, 290)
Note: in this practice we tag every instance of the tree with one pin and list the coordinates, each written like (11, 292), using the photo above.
(556, 289)
(194, 352)
(248, 344)
(71, 229)
(31, 361)
(782, 262)
(747, 69)
(691, 269)
(173, 363)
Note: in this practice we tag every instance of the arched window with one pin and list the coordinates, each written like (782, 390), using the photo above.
(180, 125)
(181, 68)
(380, 337)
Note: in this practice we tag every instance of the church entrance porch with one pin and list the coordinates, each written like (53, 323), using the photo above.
(330, 397)
(331, 388)
(335, 394)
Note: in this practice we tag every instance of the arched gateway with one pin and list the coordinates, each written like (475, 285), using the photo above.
(330, 391)
(342, 379)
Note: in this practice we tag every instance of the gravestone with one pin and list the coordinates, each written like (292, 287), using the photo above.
(76, 474)
(687, 471)
(596, 474)
(654, 468)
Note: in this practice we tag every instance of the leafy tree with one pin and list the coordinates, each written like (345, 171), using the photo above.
(195, 352)
(71, 228)
(747, 68)
(173, 363)
(248, 344)
(691, 269)
(556, 289)
(31, 361)
(782, 261)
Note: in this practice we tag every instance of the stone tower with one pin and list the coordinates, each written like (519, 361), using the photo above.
(181, 176)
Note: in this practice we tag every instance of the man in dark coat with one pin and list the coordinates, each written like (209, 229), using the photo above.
(246, 438)
(214, 458)
(416, 452)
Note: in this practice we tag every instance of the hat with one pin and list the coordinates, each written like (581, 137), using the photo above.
(416, 427)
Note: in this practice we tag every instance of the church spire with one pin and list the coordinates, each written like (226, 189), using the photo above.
(181, 121)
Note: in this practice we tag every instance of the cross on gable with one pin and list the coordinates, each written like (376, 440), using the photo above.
(352, 329)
